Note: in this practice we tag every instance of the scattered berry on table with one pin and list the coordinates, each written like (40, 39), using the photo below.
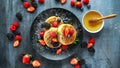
(16, 24)
(74, 61)
(77, 66)
(16, 43)
(78, 4)
(19, 16)
(34, 4)
(64, 47)
(83, 44)
(42, 42)
(89, 45)
(26, 59)
(26, 4)
(18, 37)
(41, 1)
(86, 2)
(13, 28)
(92, 40)
(72, 2)
(88, 6)
(32, 1)
(82, 9)
(17, 33)
(63, 1)
(10, 36)
(58, 51)
(23, 0)
(91, 50)
(36, 63)
(31, 9)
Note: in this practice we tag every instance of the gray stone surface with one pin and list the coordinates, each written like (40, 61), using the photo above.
(107, 45)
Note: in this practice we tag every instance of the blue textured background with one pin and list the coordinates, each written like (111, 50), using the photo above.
(107, 45)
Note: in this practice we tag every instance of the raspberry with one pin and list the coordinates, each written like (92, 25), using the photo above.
(92, 40)
(18, 37)
(31, 9)
(85, 2)
(26, 4)
(16, 24)
(41, 1)
(64, 47)
(13, 28)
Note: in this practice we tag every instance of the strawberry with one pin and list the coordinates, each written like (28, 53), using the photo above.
(77, 66)
(66, 32)
(63, 1)
(89, 45)
(72, 3)
(86, 2)
(26, 59)
(78, 4)
(16, 43)
(41, 1)
(65, 47)
(74, 61)
(12, 28)
(71, 31)
(55, 24)
(26, 4)
(31, 9)
(36, 63)
(16, 24)
(58, 51)
(42, 42)
(18, 37)
(41, 33)
(54, 40)
(92, 40)
(53, 34)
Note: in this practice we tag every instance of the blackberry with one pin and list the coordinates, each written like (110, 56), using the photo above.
(81, 62)
(91, 50)
(83, 44)
(10, 36)
(19, 16)
(45, 25)
(34, 4)
(59, 20)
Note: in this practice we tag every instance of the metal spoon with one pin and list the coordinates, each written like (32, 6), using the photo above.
(93, 20)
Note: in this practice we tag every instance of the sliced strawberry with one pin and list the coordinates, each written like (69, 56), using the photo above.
(78, 4)
(92, 40)
(54, 40)
(16, 43)
(71, 31)
(58, 51)
(26, 4)
(53, 34)
(41, 33)
(26, 59)
(42, 42)
(74, 61)
(63, 1)
(41, 1)
(36, 63)
(12, 28)
(66, 32)
(65, 47)
(18, 37)
(72, 3)
(31, 9)
(89, 45)
(86, 2)
(16, 24)
(77, 66)
(55, 24)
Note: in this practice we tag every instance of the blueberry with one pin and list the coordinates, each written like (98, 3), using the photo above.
(55, 44)
(23, 0)
(19, 16)
(91, 50)
(88, 6)
(45, 25)
(81, 62)
(68, 36)
(83, 44)
(82, 9)
(59, 19)
(10, 36)
(34, 4)
(17, 33)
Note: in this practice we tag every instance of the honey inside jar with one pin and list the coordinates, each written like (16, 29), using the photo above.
(92, 26)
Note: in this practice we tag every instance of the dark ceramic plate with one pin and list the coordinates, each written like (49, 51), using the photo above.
(67, 17)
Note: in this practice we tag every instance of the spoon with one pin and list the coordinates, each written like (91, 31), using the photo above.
(92, 20)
